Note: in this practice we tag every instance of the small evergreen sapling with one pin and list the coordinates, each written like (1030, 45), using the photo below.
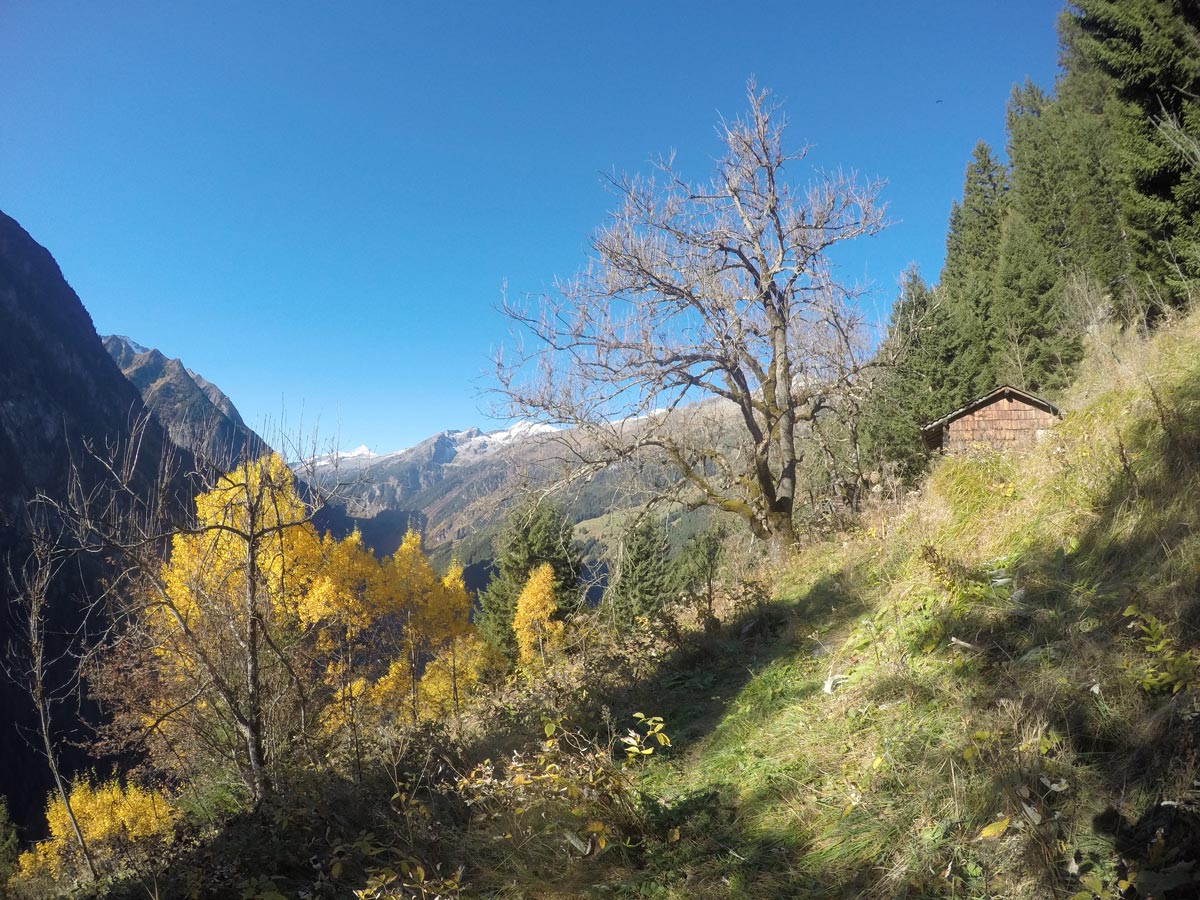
(643, 581)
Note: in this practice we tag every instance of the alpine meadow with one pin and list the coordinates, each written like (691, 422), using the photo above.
(762, 581)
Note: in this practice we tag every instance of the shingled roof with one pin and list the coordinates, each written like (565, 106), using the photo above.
(934, 431)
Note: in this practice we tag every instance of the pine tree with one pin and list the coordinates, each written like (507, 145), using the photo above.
(1150, 50)
(1064, 225)
(968, 276)
(534, 533)
(1033, 350)
(643, 581)
(1075, 192)
(698, 565)
(919, 387)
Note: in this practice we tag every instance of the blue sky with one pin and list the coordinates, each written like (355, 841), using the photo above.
(317, 208)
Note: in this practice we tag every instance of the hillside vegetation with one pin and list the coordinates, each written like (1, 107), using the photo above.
(858, 672)
(944, 703)
(969, 682)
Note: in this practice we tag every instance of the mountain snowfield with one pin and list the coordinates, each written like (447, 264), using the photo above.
(469, 441)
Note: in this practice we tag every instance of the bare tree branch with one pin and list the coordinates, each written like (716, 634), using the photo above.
(708, 329)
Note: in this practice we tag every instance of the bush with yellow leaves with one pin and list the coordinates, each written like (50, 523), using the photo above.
(119, 823)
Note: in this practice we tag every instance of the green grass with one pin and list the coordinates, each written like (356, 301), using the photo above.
(980, 666)
(935, 705)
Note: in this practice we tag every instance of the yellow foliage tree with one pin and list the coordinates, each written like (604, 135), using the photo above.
(533, 624)
(442, 655)
(115, 820)
(389, 698)
(342, 613)
(450, 676)
(459, 662)
(348, 591)
(415, 597)
(223, 625)
(258, 638)
(396, 624)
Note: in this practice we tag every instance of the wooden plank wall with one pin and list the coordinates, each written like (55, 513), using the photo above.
(1000, 424)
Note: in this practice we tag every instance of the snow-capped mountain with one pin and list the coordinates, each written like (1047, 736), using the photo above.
(448, 447)
(494, 440)
(449, 485)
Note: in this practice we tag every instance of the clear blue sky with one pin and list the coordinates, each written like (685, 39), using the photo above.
(315, 205)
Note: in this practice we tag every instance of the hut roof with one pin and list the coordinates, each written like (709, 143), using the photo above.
(932, 431)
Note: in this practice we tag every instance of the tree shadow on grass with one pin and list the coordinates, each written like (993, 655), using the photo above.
(1094, 644)
(694, 681)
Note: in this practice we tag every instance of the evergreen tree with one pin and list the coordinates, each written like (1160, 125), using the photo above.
(534, 533)
(1150, 49)
(1074, 135)
(1032, 349)
(919, 388)
(643, 580)
(698, 565)
(1062, 223)
(968, 276)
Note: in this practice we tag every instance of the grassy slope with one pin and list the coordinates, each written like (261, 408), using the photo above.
(935, 706)
(973, 660)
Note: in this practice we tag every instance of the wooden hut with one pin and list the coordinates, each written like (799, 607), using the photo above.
(1006, 417)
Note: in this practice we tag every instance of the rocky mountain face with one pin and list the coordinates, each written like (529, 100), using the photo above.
(59, 392)
(58, 386)
(195, 412)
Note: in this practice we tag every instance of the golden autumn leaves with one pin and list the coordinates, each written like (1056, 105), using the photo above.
(265, 643)
(113, 818)
(254, 610)
(537, 632)
(260, 648)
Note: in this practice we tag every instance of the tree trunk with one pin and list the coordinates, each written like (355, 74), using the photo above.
(52, 761)
(454, 675)
(35, 587)
(412, 676)
(781, 533)
(252, 728)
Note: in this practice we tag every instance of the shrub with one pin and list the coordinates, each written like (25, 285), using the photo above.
(121, 824)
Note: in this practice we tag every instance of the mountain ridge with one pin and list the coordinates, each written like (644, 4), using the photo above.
(195, 412)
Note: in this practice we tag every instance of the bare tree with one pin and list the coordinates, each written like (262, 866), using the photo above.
(720, 292)
(205, 651)
(29, 659)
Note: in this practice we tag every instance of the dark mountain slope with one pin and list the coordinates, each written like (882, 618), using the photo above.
(58, 386)
(59, 390)
(195, 412)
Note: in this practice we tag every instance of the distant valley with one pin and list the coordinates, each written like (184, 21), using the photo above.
(453, 486)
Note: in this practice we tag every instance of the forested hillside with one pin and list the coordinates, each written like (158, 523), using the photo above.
(1091, 219)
